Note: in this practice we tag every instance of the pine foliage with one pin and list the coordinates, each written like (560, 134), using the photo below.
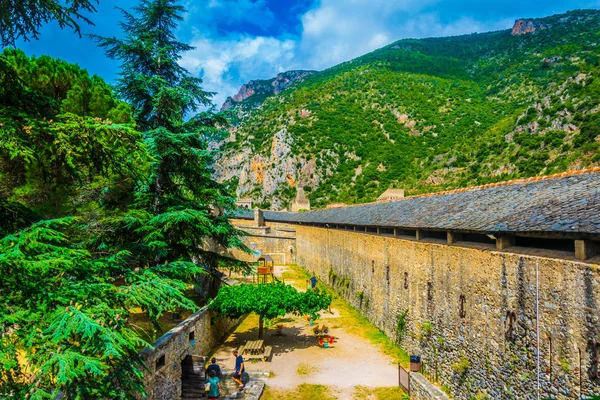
(185, 203)
(137, 216)
(23, 19)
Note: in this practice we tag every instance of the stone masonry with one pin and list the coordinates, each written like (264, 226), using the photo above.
(275, 239)
(422, 389)
(470, 309)
(465, 278)
(196, 336)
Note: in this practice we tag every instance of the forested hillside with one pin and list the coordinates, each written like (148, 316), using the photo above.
(427, 115)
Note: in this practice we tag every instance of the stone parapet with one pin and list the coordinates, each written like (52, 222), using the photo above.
(196, 336)
(422, 389)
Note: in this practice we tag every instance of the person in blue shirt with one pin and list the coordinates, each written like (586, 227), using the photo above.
(313, 282)
(239, 369)
(214, 367)
(215, 386)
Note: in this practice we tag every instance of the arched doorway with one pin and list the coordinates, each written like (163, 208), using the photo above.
(192, 377)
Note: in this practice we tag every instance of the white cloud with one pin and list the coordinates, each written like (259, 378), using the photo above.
(333, 32)
(225, 64)
(339, 30)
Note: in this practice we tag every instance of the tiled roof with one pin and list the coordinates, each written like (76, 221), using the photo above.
(563, 203)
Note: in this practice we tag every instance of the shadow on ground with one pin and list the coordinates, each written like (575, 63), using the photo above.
(285, 341)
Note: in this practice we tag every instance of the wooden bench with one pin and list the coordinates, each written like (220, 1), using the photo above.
(241, 350)
(268, 351)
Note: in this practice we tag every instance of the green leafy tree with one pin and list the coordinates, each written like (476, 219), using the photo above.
(22, 19)
(70, 86)
(60, 129)
(268, 301)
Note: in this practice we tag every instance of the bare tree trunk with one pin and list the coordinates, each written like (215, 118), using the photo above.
(159, 186)
(260, 326)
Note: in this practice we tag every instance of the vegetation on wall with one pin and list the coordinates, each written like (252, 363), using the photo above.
(401, 325)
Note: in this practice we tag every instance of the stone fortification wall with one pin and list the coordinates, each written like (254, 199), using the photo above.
(275, 239)
(196, 336)
(422, 389)
(470, 311)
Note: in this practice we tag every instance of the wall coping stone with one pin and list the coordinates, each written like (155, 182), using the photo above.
(422, 389)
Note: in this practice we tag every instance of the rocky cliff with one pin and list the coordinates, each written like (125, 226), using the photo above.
(264, 88)
(523, 26)
(565, 21)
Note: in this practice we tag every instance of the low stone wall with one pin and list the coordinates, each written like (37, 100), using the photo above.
(197, 335)
(422, 389)
(254, 388)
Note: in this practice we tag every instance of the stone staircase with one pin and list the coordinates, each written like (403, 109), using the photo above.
(192, 378)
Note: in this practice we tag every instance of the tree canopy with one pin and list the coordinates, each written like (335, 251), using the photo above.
(60, 128)
(186, 203)
(109, 208)
(64, 310)
(268, 301)
(22, 19)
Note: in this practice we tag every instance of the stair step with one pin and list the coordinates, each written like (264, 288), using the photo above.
(193, 393)
(192, 385)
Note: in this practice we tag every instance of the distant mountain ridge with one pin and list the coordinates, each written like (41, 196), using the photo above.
(259, 89)
(426, 115)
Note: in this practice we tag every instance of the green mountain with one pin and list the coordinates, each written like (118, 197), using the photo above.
(427, 115)
(252, 94)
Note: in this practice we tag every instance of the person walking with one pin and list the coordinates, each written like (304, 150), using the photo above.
(313, 282)
(239, 369)
(214, 367)
(214, 390)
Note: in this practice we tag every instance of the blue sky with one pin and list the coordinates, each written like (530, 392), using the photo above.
(240, 40)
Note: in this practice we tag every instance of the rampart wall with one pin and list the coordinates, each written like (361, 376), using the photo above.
(470, 309)
(275, 239)
(196, 336)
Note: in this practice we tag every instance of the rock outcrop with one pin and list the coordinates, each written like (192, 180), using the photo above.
(523, 26)
(262, 176)
(265, 87)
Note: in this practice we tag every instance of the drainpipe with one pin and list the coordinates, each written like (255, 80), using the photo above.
(537, 317)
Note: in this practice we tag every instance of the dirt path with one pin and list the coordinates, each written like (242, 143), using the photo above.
(351, 361)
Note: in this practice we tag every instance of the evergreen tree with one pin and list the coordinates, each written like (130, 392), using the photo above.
(74, 281)
(60, 129)
(64, 312)
(185, 206)
(23, 18)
